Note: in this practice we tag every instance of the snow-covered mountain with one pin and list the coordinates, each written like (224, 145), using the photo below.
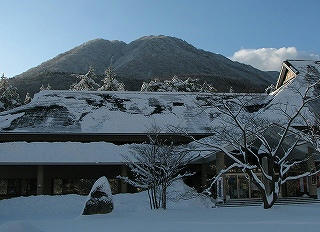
(144, 59)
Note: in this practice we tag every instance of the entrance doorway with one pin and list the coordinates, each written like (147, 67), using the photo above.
(239, 186)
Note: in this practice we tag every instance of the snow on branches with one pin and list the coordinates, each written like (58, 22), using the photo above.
(110, 83)
(9, 97)
(270, 89)
(254, 143)
(176, 85)
(156, 165)
(42, 88)
(86, 82)
(27, 99)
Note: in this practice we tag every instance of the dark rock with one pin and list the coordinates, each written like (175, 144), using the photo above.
(99, 199)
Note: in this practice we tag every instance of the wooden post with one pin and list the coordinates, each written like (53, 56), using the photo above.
(220, 165)
(204, 175)
(40, 180)
(312, 180)
(123, 184)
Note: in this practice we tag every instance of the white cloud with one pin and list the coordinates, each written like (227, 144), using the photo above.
(270, 59)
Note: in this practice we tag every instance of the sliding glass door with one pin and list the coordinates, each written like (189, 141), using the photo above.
(239, 186)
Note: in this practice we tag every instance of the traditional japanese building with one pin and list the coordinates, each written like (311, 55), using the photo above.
(64, 140)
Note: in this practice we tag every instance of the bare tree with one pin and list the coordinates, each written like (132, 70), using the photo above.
(156, 165)
(256, 143)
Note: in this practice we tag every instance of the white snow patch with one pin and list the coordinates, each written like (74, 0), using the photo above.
(19, 227)
(59, 152)
(132, 213)
(6, 120)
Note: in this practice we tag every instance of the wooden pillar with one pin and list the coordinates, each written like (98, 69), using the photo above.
(123, 184)
(265, 166)
(220, 165)
(220, 161)
(204, 175)
(281, 191)
(40, 180)
(312, 180)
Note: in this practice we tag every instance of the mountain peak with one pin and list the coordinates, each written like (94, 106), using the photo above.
(100, 40)
(149, 37)
(153, 56)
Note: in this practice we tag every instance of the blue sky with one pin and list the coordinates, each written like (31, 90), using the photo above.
(32, 31)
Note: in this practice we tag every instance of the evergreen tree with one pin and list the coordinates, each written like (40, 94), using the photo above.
(9, 97)
(110, 83)
(270, 89)
(4, 84)
(27, 99)
(42, 88)
(86, 82)
(91, 73)
(177, 85)
(45, 88)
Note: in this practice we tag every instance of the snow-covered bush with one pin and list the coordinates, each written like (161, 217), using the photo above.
(27, 99)
(110, 83)
(45, 88)
(179, 191)
(86, 82)
(176, 85)
(9, 97)
(270, 89)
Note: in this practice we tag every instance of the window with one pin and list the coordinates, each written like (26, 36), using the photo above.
(3, 187)
(288, 76)
(14, 187)
(28, 187)
(57, 186)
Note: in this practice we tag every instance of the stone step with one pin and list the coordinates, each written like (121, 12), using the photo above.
(258, 202)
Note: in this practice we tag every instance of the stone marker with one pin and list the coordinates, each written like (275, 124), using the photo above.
(99, 200)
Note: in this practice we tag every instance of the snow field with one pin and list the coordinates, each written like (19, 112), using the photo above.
(132, 213)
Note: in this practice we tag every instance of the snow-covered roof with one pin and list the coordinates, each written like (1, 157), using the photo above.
(302, 65)
(62, 153)
(111, 112)
(133, 112)
(70, 153)
(287, 97)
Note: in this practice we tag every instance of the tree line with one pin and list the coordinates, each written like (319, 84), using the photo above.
(10, 97)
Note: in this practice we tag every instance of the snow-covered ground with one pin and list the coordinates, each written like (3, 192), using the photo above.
(132, 213)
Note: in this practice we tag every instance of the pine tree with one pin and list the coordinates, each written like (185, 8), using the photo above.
(27, 99)
(91, 73)
(110, 83)
(42, 88)
(45, 88)
(9, 97)
(86, 82)
(4, 84)
(177, 85)
(270, 89)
